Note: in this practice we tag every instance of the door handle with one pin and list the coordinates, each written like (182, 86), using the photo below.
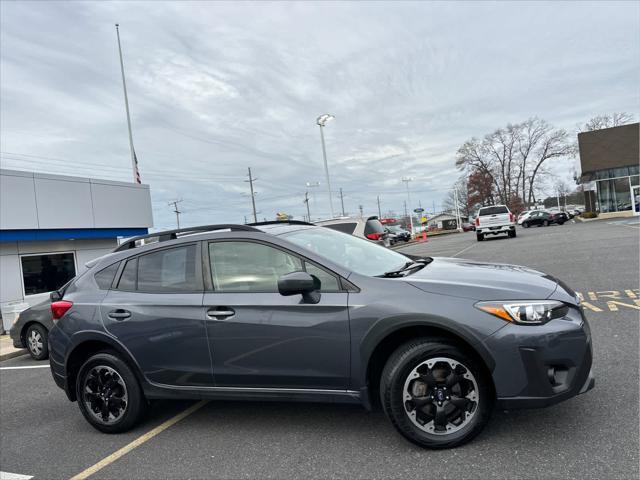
(119, 314)
(220, 313)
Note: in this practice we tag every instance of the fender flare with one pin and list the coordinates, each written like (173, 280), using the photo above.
(388, 325)
(85, 336)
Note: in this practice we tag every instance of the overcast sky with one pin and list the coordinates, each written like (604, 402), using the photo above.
(217, 87)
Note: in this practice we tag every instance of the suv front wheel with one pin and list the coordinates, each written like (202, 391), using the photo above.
(435, 394)
(108, 393)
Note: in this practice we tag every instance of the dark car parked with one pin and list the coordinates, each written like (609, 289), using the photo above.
(538, 219)
(559, 218)
(397, 234)
(294, 311)
(31, 330)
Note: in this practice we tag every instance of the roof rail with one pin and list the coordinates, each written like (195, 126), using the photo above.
(276, 222)
(173, 234)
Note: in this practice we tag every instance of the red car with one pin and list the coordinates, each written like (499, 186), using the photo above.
(468, 227)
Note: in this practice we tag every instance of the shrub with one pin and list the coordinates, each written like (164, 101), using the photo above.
(589, 215)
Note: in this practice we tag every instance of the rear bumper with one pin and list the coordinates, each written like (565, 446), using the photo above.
(539, 366)
(496, 230)
(57, 346)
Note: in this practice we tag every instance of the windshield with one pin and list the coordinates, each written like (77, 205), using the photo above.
(352, 253)
(395, 228)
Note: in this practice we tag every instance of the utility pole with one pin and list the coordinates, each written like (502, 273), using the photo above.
(458, 223)
(253, 196)
(176, 211)
(406, 182)
(134, 159)
(342, 202)
(306, 200)
(361, 214)
(405, 208)
(379, 212)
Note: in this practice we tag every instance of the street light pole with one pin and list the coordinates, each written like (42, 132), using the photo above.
(322, 121)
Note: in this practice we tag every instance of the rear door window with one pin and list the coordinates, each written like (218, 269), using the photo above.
(343, 227)
(493, 211)
(169, 270)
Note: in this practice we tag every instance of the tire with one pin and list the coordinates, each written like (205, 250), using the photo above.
(545, 223)
(36, 340)
(525, 224)
(512, 234)
(415, 355)
(480, 237)
(101, 366)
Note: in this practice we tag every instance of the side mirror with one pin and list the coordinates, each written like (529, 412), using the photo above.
(302, 283)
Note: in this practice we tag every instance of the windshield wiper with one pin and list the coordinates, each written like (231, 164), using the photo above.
(408, 267)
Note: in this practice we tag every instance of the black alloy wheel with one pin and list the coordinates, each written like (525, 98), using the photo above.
(108, 393)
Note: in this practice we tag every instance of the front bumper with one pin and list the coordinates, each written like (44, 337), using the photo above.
(538, 366)
(16, 337)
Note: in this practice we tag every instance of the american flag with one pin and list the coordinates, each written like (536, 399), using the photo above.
(137, 172)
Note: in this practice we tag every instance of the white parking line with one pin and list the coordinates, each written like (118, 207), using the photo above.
(14, 476)
(22, 368)
(464, 250)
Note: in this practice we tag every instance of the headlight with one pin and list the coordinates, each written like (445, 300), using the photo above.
(532, 312)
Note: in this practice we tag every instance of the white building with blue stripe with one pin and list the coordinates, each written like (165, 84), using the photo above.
(51, 225)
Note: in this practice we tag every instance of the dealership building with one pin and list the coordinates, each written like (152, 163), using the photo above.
(610, 162)
(51, 225)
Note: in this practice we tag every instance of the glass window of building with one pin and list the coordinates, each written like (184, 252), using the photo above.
(47, 272)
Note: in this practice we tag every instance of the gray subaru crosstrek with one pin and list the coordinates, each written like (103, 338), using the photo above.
(293, 311)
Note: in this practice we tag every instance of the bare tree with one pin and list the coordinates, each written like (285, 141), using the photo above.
(514, 157)
(606, 121)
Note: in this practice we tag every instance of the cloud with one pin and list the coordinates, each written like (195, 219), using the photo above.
(217, 87)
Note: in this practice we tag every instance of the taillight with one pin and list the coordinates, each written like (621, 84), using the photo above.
(374, 236)
(59, 308)
(477, 221)
(511, 217)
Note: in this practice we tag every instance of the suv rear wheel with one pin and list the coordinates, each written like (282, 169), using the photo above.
(435, 394)
(108, 393)
(480, 236)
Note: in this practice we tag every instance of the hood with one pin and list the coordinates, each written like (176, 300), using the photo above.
(482, 281)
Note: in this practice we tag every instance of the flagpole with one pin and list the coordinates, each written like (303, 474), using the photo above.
(134, 161)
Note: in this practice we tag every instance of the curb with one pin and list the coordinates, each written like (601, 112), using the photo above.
(17, 353)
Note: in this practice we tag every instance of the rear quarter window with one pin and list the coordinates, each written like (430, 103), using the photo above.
(104, 278)
(342, 227)
(492, 211)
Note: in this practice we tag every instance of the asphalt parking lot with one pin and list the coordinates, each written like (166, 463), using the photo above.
(591, 436)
